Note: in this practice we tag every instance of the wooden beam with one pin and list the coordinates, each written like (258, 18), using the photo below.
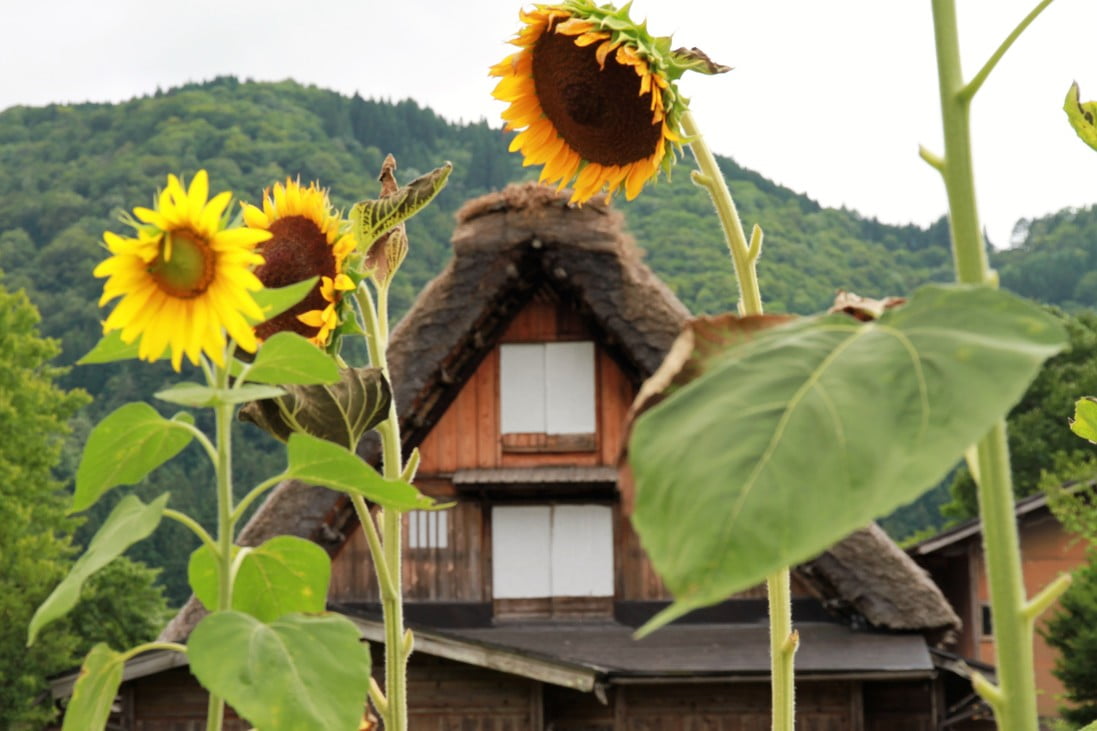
(566, 675)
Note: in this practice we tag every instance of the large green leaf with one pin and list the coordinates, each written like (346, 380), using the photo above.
(321, 462)
(198, 395)
(109, 349)
(130, 521)
(124, 447)
(339, 412)
(94, 691)
(282, 576)
(810, 430)
(299, 672)
(288, 358)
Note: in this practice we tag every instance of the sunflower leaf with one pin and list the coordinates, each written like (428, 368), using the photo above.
(300, 671)
(204, 575)
(110, 349)
(289, 358)
(130, 521)
(372, 218)
(124, 447)
(1082, 116)
(275, 301)
(809, 430)
(320, 462)
(283, 575)
(1084, 423)
(341, 412)
(198, 395)
(95, 689)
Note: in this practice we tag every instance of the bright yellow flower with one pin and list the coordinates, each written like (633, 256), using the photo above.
(594, 96)
(306, 241)
(185, 279)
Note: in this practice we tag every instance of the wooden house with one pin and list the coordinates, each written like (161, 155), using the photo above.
(513, 373)
(954, 559)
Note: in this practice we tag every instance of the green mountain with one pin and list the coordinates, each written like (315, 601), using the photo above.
(67, 169)
(1054, 259)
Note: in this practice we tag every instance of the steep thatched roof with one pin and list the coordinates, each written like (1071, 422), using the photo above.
(507, 246)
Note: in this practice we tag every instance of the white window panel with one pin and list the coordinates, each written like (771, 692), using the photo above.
(569, 388)
(558, 550)
(520, 555)
(428, 529)
(582, 550)
(547, 388)
(522, 387)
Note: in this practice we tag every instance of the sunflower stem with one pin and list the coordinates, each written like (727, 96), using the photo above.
(223, 469)
(783, 642)
(386, 548)
(744, 256)
(712, 180)
(1014, 698)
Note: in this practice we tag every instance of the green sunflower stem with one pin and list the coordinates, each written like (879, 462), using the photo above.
(225, 523)
(1014, 699)
(783, 642)
(386, 549)
(744, 257)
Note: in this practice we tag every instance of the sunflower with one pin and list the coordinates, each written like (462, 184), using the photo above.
(185, 279)
(595, 98)
(306, 241)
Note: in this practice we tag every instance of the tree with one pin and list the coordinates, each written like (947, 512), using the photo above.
(1072, 630)
(35, 533)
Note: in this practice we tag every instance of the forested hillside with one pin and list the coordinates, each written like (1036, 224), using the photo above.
(66, 169)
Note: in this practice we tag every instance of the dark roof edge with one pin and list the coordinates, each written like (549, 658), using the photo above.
(973, 527)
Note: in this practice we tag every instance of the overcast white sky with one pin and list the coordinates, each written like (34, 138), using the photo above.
(829, 98)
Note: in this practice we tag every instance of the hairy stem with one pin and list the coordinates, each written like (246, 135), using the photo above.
(712, 180)
(782, 648)
(386, 552)
(1014, 701)
(223, 468)
(744, 257)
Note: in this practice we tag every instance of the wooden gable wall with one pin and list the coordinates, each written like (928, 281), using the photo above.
(467, 436)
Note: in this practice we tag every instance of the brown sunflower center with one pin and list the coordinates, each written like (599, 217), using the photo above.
(598, 112)
(297, 250)
(185, 266)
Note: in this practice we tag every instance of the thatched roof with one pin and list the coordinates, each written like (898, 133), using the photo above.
(507, 246)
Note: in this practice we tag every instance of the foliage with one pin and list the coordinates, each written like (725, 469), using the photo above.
(35, 533)
(77, 163)
(1041, 447)
(1054, 259)
(1072, 631)
(767, 407)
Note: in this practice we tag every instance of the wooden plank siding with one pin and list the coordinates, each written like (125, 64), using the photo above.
(445, 696)
(454, 573)
(467, 436)
(173, 701)
(820, 706)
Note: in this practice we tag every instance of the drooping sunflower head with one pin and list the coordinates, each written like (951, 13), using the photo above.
(307, 240)
(184, 280)
(595, 96)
